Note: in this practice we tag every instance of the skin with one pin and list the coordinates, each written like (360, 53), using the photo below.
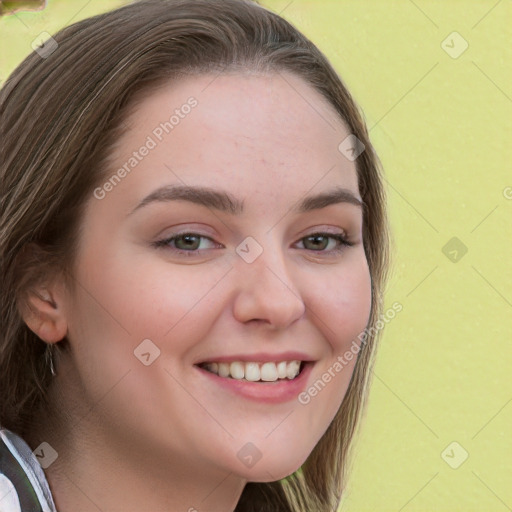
(162, 437)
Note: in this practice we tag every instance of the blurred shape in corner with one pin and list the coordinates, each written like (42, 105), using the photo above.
(12, 6)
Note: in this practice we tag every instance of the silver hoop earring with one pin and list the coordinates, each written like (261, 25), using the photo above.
(49, 359)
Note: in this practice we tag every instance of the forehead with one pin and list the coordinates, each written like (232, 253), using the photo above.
(255, 133)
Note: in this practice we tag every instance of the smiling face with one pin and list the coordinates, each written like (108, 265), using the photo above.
(250, 283)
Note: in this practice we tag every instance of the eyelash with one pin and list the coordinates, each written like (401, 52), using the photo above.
(164, 243)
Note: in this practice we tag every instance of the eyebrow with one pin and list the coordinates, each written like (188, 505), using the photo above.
(225, 202)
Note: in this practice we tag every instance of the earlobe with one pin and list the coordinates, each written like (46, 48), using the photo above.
(44, 316)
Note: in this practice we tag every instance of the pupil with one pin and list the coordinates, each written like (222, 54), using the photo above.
(316, 238)
(189, 240)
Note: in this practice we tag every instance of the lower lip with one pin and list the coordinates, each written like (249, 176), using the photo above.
(275, 392)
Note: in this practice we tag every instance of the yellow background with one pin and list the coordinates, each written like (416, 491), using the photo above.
(442, 127)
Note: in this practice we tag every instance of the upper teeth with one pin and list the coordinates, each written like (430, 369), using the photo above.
(255, 371)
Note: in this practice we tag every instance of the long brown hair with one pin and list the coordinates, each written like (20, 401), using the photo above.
(60, 115)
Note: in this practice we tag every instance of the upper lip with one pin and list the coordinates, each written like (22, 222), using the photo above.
(263, 357)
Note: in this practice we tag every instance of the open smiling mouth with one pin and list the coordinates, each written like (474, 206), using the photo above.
(256, 372)
(271, 381)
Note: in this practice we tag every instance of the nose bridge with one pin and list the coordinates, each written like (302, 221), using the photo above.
(263, 257)
(265, 281)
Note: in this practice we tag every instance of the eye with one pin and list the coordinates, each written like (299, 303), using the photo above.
(315, 240)
(187, 243)
(184, 243)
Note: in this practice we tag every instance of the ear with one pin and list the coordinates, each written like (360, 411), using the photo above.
(43, 312)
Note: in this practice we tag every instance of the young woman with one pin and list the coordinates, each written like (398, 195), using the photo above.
(194, 246)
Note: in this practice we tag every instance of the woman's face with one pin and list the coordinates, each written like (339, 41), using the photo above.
(248, 286)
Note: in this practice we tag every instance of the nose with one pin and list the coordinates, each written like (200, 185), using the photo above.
(266, 293)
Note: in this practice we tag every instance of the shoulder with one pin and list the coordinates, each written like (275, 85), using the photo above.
(23, 485)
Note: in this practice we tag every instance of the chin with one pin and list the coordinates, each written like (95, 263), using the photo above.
(277, 467)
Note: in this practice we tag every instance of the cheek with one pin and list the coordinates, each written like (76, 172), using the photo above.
(342, 304)
(341, 310)
(145, 296)
(173, 308)
(173, 301)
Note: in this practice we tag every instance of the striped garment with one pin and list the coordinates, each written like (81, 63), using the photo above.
(23, 485)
